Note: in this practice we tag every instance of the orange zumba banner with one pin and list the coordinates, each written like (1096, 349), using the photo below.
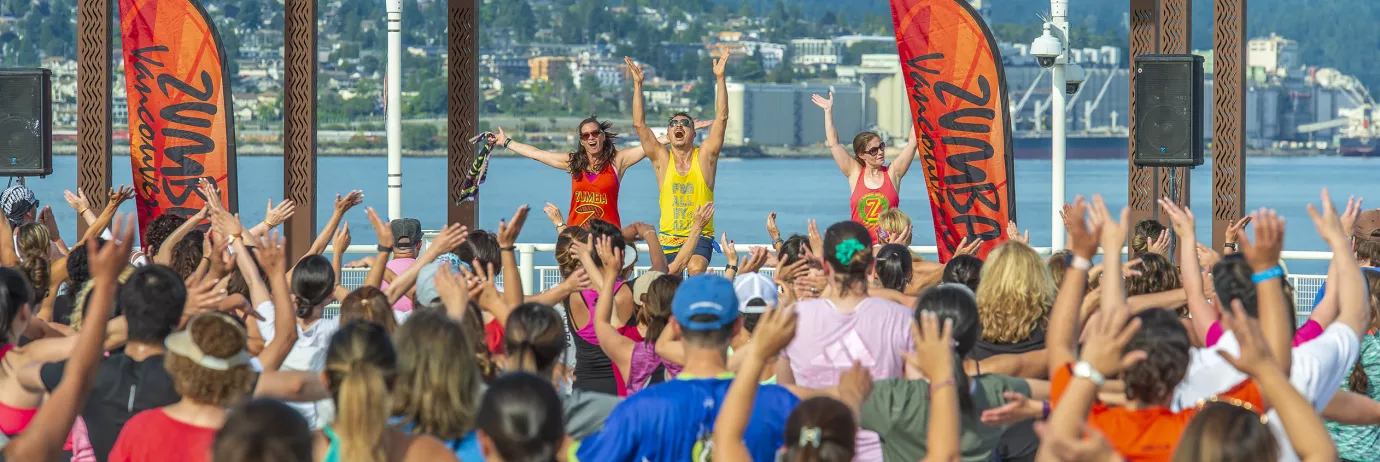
(958, 101)
(180, 116)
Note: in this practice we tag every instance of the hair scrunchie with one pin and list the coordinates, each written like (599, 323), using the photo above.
(845, 250)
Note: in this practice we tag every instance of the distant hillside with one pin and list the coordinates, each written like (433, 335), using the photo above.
(1333, 33)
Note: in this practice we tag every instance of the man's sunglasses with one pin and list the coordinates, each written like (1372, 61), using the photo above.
(591, 135)
(683, 123)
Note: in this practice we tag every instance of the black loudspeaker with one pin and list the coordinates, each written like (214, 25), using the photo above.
(1169, 111)
(26, 122)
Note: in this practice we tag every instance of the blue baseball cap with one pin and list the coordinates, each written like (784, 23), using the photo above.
(705, 294)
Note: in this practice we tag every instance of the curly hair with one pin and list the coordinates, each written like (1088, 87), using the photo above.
(579, 161)
(1157, 274)
(1165, 341)
(33, 242)
(158, 231)
(186, 255)
(1015, 295)
(438, 393)
(217, 335)
(370, 304)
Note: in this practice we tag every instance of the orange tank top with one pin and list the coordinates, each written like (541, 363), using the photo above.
(594, 196)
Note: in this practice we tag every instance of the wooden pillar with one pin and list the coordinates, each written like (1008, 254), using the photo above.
(1229, 116)
(1141, 182)
(93, 102)
(462, 106)
(1176, 34)
(299, 123)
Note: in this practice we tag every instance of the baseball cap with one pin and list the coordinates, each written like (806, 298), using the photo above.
(705, 294)
(16, 201)
(644, 283)
(426, 278)
(756, 293)
(1367, 223)
(407, 233)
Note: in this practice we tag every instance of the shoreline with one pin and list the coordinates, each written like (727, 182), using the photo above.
(739, 152)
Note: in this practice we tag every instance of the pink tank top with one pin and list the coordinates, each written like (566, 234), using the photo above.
(398, 266)
(14, 420)
(591, 298)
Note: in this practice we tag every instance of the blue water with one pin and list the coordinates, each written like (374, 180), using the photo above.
(747, 190)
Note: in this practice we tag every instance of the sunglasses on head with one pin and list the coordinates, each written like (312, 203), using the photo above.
(591, 135)
(682, 122)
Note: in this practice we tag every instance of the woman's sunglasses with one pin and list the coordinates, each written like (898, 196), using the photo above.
(591, 135)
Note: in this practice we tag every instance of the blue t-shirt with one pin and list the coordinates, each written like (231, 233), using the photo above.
(466, 448)
(1322, 289)
(674, 421)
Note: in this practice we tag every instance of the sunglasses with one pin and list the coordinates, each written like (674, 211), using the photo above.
(880, 149)
(590, 135)
(683, 123)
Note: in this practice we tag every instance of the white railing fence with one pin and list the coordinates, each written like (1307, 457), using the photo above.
(536, 279)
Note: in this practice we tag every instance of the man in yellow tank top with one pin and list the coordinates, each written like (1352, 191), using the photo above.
(684, 172)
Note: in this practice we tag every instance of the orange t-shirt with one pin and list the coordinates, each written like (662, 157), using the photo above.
(1145, 434)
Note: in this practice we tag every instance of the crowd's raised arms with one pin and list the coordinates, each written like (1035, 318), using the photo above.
(836, 343)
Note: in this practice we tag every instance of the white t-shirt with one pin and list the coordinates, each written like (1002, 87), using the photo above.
(308, 354)
(1318, 368)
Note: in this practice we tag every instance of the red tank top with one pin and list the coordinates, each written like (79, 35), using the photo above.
(594, 196)
(868, 203)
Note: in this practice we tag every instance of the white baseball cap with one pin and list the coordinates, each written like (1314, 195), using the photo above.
(756, 293)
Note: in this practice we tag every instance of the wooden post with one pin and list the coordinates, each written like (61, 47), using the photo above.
(1176, 33)
(462, 98)
(93, 102)
(1229, 116)
(299, 123)
(1145, 37)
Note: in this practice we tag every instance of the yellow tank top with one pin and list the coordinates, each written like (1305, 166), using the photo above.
(681, 195)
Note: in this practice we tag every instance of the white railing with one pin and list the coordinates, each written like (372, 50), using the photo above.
(536, 279)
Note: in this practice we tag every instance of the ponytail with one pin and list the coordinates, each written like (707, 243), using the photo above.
(1358, 382)
(33, 244)
(361, 366)
(361, 421)
(313, 282)
(961, 384)
(534, 338)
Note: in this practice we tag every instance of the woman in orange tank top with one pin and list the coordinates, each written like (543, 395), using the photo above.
(874, 187)
(596, 167)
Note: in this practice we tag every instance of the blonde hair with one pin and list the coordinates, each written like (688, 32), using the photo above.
(33, 242)
(438, 393)
(893, 221)
(360, 365)
(370, 304)
(1015, 294)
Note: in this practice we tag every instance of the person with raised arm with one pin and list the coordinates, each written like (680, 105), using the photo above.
(684, 173)
(875, 186)
(596, 169)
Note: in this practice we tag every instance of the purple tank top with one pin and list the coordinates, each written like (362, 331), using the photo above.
(591, 298)
(398, 266)
(644, 363)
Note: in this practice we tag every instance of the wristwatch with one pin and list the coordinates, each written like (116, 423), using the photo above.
(1084, 370)
(1230, 245)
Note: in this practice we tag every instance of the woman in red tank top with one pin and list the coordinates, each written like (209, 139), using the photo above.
(875, 186)
(596, 167)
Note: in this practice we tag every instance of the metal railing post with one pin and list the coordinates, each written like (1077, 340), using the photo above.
(528, 266)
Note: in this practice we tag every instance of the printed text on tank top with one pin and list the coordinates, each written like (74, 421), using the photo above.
(594, 195)
(681, 195)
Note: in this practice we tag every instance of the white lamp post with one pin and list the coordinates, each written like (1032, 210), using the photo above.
(393, 111)
(1051, 51)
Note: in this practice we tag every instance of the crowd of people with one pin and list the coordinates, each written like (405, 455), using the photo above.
(208, 344)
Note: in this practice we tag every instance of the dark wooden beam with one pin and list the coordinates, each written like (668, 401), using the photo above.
(1145, 37)
(299, 123)
(462, 106)
(1176, 34)
(1228, 116)
(93, 102)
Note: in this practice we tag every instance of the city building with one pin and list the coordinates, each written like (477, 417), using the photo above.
(1271, 55)
(815, 54)
(783, 115)
(541, 66)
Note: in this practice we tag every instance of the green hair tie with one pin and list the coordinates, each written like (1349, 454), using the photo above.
(845, 250)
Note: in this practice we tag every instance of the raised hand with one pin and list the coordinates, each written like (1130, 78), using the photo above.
(1011, 412)
(1108, 333)
(1084, 236)
(223, 223)
(1236, 228)
(204, 294)
(1160, 245)
(774, 332)
(45, 216)
(1263, 254)
(1114, 230)
(934, 347)
(1181, 218)
(1090, 447)
(855, 385)
(816, 240)
(1207, 257)
(453, 289)
(730, 252)
(499, 138)
(508, 231)
(721, 62)
(1352, 213)
(969, 246)
(381, 228)
(634, 69)
(554, 213)
(119, 196)
(449, 238)
(772, 231)
(1014, 233)
(344, 204)
(578, 280)
(77, 201)
(107, 261)
(904, 236)
(703, 124)
(341, 241)
(271, 254)
(754, 260)
(702, 215)
(825, 104)
(274, 216)
(784, 276)
(611, 257)
(1327, 221)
